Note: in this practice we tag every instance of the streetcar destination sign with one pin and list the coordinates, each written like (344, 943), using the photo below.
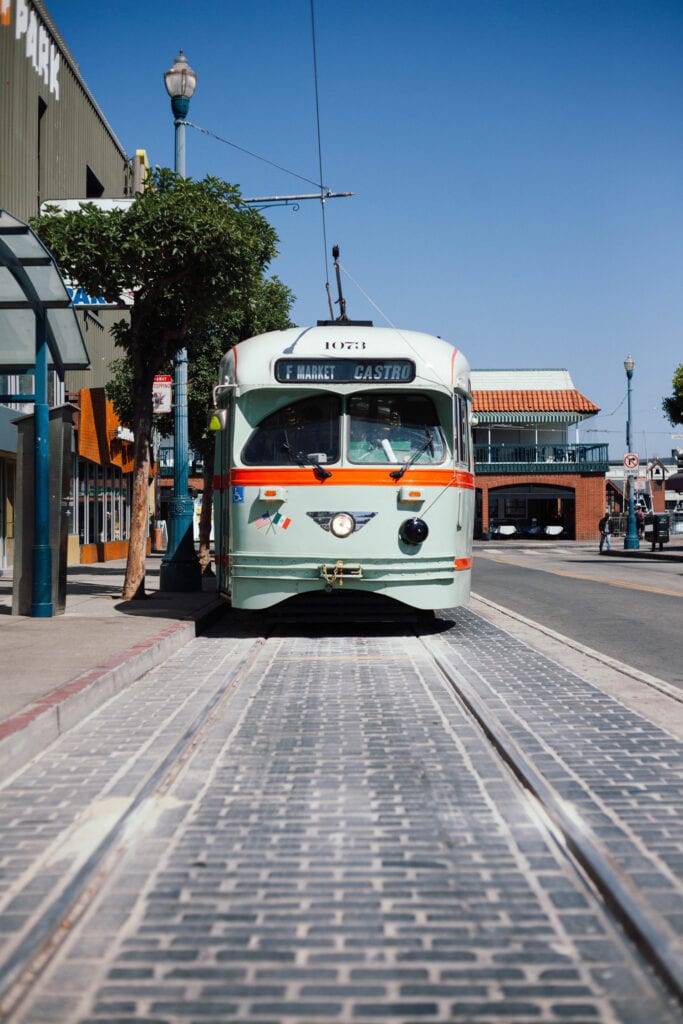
(344, 371)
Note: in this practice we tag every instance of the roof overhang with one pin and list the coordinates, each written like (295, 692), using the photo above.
(529, 418)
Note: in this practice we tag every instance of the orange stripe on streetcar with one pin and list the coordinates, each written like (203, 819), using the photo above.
(345, 477)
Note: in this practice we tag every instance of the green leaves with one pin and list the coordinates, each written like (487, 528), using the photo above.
(673, 406)
(194, 257)
(188, 249)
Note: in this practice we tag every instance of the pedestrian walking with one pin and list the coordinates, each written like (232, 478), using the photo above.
(640, 523)
(605, 532)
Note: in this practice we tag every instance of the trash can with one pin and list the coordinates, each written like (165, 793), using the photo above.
(659, 533)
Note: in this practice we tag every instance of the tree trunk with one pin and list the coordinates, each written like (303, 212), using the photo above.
(205, 519)
(134, 582)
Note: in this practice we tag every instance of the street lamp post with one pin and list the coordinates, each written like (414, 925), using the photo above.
(631, 539)
(180, 569)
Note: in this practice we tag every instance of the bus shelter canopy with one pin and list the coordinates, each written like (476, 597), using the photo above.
(32, 292)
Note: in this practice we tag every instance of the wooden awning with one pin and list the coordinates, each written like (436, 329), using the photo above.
(101, 438)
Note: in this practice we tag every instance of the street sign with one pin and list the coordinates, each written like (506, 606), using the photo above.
(631, 460)
(161, 394)
(74, 205)
(81, 300)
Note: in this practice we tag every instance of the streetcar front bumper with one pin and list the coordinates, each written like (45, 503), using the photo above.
(425, 583)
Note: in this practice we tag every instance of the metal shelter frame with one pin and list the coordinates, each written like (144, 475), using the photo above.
(39, 331)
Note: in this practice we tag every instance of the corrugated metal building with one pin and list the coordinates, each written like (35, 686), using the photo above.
(55, 143)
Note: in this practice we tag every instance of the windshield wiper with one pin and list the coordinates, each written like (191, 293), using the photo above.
(302, 459)
(396, 474)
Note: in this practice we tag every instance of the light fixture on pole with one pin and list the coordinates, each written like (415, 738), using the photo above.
(180, 82)
(631, 539)
(180, 569)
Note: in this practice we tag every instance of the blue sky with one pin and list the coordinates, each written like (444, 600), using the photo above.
(517, 165)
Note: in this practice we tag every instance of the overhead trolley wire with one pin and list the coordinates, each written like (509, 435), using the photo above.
(302, 177)
(325, 192)
(320, 159)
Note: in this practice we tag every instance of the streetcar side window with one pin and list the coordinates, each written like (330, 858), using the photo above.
(462, 430)
(300, 431)
(393, 428)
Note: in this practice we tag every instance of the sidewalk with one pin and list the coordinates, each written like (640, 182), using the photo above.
(53, 672)
(671, 552)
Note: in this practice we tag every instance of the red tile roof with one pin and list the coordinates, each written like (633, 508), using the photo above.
(533, 401)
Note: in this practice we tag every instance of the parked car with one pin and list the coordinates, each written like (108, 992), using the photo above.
(542, 531)
(502, 529)
(553, 530)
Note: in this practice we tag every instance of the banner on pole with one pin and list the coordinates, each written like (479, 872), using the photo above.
(162, 395)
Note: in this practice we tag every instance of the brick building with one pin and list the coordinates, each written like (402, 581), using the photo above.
(532, 476)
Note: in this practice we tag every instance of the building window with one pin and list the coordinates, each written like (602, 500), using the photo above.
(93, 186)
(102, 509)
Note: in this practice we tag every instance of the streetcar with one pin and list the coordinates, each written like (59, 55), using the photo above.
(343, 462)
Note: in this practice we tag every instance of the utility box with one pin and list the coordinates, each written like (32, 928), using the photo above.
(659, 528)
(61, 443)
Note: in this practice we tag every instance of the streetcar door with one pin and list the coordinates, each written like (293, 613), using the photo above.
(220, 422)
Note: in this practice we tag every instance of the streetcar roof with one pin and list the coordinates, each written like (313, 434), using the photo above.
(437, 363)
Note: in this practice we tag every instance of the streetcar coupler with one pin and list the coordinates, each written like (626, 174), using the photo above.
(338, 574)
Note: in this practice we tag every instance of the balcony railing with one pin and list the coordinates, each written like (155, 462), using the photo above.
(541, 458)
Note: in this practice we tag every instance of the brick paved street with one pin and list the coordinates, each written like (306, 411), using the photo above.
(338, 841)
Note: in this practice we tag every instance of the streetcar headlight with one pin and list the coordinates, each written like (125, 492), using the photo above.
(413, 531)
(342, 524)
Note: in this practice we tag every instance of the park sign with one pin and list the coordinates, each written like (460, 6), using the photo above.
(21, 18)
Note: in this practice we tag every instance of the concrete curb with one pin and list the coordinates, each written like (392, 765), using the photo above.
(647, 555)
(28, 732)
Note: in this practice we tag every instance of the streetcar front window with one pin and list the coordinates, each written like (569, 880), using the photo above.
(301, 433)
(394, 428)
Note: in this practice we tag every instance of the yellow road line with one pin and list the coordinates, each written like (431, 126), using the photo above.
(590, 579)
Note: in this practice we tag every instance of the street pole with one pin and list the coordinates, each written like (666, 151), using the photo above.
(41, 594)
(180, 569)
(631, 541)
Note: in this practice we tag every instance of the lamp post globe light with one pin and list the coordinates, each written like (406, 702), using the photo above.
(631, 539)
(180, 82)
(180, 569)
